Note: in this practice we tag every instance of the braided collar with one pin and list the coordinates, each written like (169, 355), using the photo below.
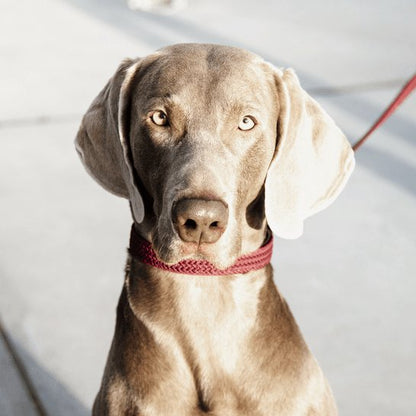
(143, 251)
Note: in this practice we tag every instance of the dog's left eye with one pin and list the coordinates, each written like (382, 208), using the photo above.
(246, 123)
(159, 118)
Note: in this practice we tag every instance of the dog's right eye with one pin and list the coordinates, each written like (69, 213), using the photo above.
(246, 123)
(159, 118)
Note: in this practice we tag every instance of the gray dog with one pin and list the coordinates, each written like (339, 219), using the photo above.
(212, 146)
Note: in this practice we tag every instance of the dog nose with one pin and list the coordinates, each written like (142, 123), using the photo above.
(200, 221)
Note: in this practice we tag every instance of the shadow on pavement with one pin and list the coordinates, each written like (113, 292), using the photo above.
(49, 394)
(390, 167)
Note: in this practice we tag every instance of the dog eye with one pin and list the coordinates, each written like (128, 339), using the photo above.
(159, 118)
(246, 123)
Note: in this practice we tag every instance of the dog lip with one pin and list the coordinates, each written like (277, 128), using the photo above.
(193, 251)
(171, 249)
(205, 252)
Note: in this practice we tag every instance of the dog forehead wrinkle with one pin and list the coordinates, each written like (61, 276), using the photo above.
(209, 54)
(176, 73)
(210, 64)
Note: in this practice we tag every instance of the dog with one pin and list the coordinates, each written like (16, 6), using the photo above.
(213, 147)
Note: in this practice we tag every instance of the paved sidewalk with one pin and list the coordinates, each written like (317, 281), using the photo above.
(349, 280)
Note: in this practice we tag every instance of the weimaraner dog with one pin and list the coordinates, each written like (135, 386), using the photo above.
(213, 147)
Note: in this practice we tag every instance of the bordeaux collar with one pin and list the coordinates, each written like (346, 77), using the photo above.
(143, 251)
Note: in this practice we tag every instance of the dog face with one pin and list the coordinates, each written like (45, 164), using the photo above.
(201, 130)
(213, 136)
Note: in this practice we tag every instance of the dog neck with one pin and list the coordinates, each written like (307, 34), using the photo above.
(208, 323)
(143, 251)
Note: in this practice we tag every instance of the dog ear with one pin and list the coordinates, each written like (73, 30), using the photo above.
(102, 141)
(312, 162)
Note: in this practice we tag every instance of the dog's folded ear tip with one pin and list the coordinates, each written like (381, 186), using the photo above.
(288, 235)
(137, 207)
(350, 165)
(288, 230)
(139, 217)
(78, 147)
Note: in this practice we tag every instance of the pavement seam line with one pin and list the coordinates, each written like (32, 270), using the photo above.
(21, 369)
(39, 120)
(357, 88)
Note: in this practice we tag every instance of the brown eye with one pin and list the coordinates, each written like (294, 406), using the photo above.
(159, 118)
(246, 123)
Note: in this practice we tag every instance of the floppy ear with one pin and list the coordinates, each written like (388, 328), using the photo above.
(312, 163)
(102, 141)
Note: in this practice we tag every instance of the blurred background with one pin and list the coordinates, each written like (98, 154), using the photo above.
(350, 279)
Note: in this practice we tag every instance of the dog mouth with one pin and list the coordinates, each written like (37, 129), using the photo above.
(193, 229)
(172, 250)
(202, 251)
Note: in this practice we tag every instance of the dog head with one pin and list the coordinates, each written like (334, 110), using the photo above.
(209, 143)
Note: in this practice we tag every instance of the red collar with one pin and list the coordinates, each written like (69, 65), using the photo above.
(143, 251)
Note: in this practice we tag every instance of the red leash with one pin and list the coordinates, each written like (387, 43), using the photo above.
(403, 94)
